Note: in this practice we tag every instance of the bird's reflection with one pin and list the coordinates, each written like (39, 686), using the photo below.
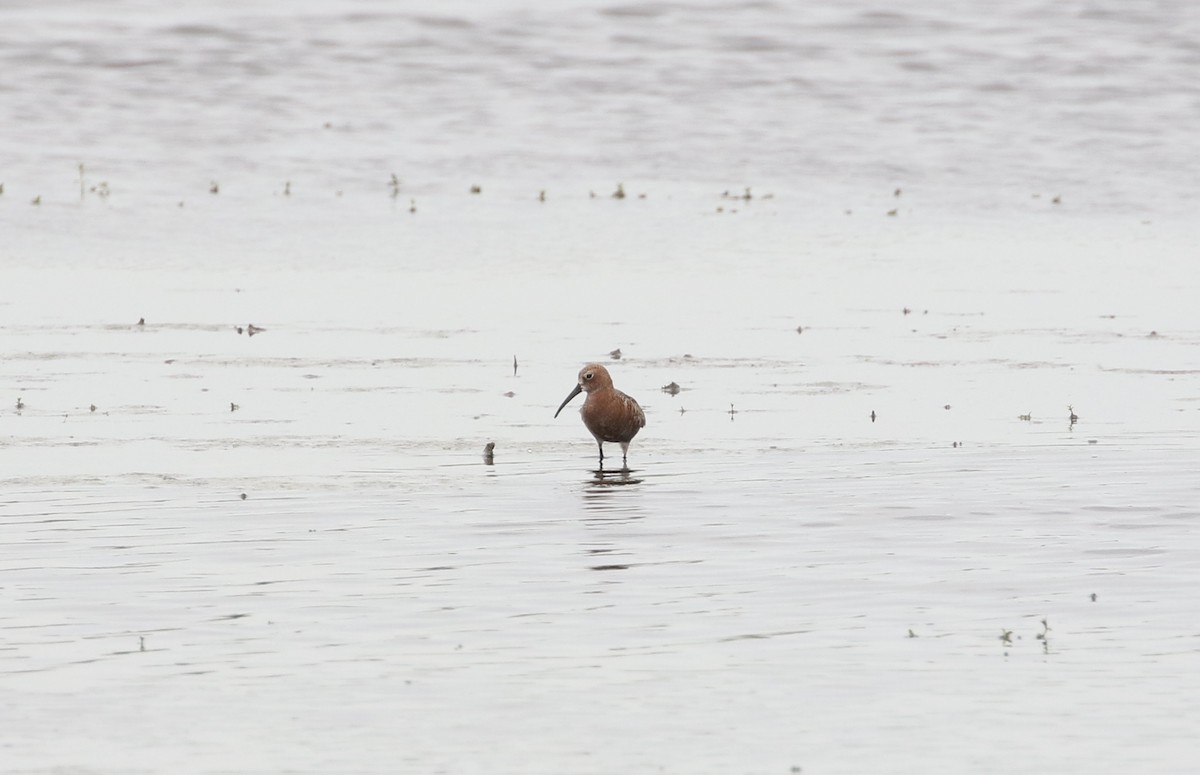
(606, 494)
(611, 478)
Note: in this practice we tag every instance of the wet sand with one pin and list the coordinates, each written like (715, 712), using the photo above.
(789, 584)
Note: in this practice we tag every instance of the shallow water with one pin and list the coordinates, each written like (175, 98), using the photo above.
(865, 536)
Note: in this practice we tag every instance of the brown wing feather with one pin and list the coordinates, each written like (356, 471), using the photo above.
(613, 416)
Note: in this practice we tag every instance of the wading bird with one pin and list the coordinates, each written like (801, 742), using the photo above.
(608, 414)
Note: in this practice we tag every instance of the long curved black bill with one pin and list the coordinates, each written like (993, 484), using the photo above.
(567, 400)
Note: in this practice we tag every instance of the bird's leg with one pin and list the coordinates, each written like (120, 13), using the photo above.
(625, 455)
(600, 445)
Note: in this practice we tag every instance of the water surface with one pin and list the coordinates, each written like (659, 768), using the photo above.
(865, 536)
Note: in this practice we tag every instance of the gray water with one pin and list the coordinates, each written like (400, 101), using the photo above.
(865, 536)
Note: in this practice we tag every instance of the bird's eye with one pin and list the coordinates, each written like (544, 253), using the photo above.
(588, 375)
